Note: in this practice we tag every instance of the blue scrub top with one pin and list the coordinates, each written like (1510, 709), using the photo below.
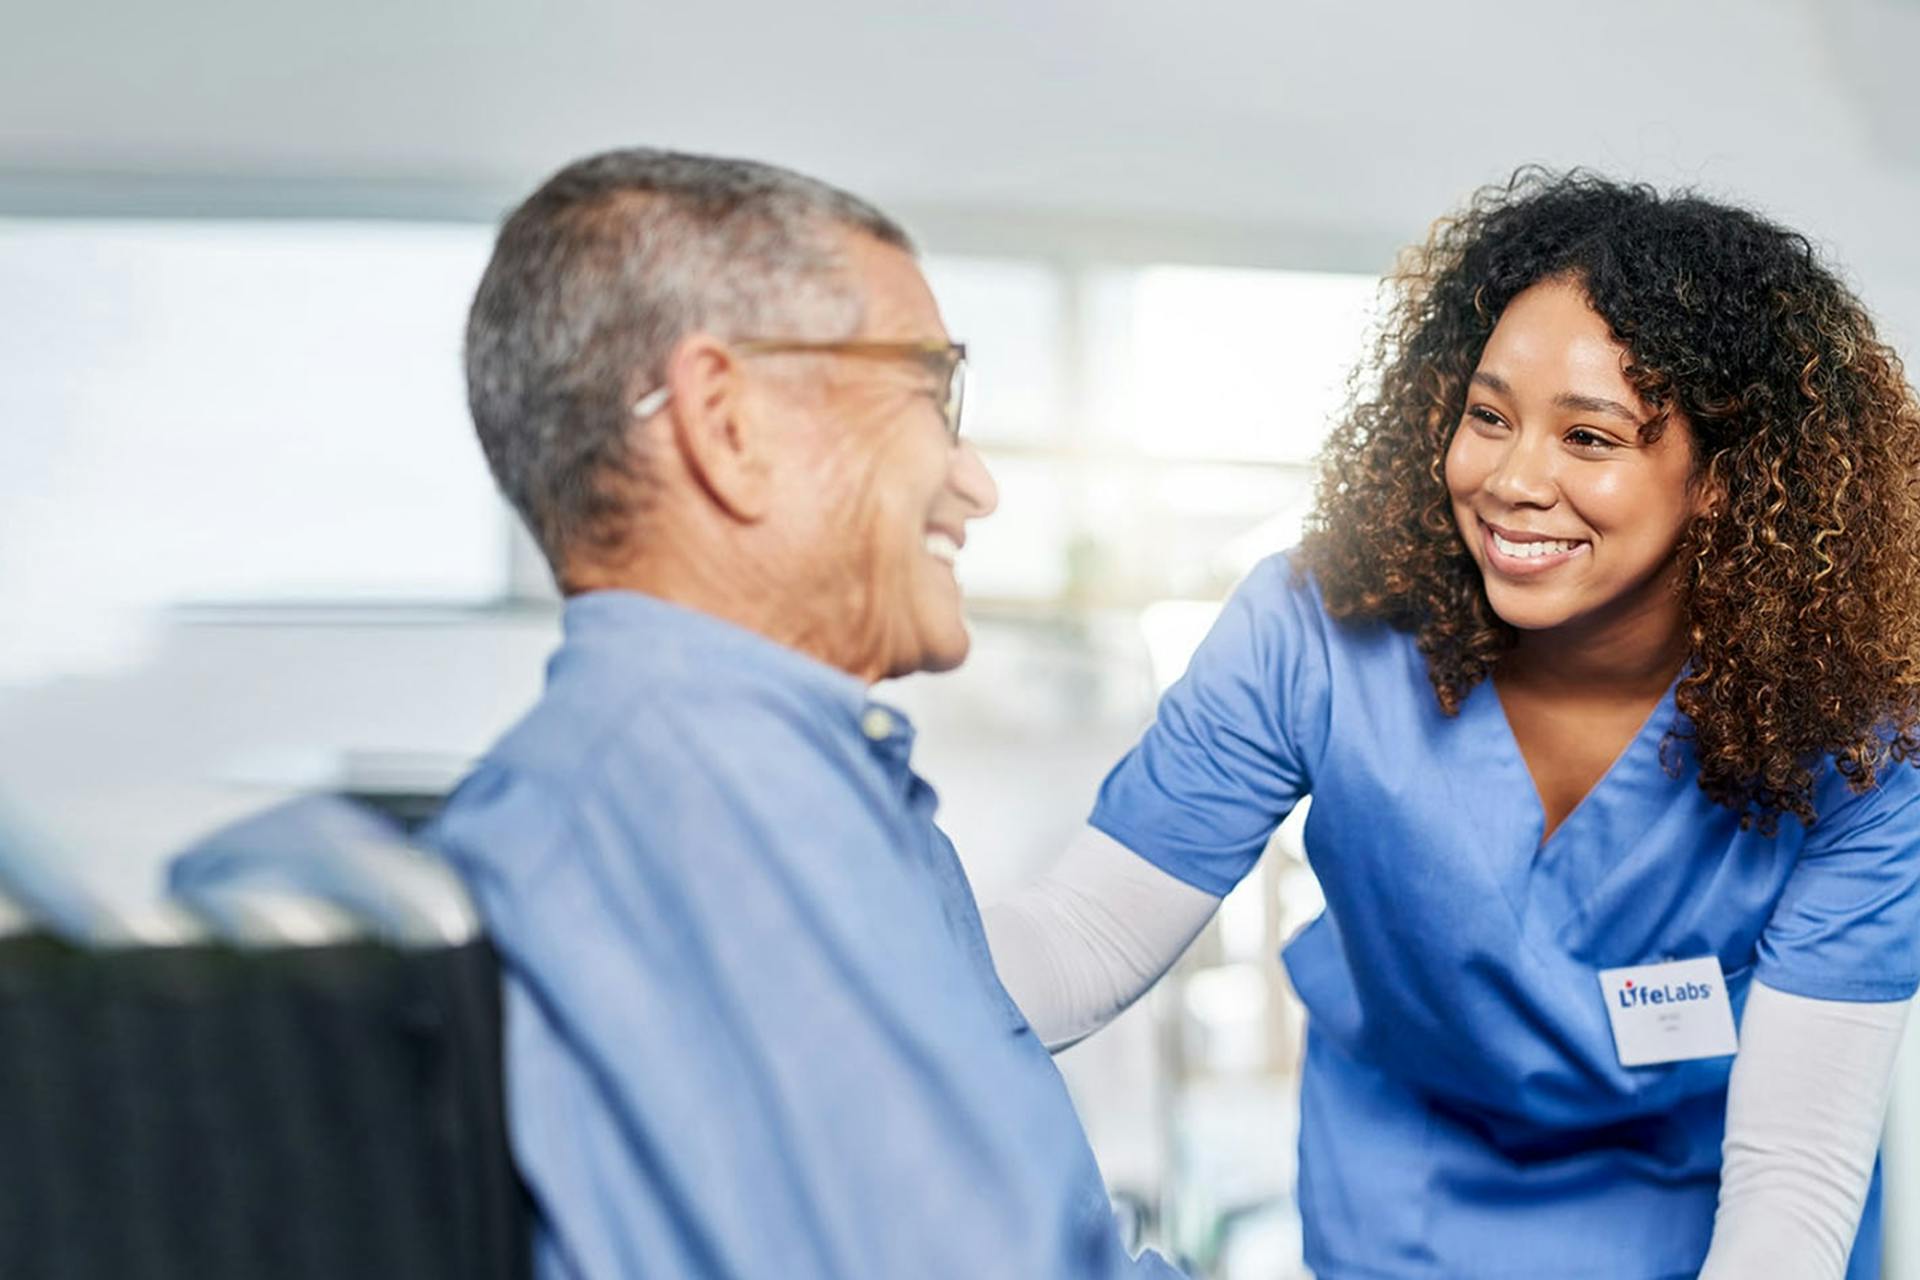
(752, 1028)
(1464, 1113)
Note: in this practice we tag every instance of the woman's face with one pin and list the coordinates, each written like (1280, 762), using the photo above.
(1570, 515)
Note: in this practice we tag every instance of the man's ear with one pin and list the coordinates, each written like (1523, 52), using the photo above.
(712, 424)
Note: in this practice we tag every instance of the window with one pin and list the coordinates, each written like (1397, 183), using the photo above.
(233, 410)
(1152, 428)
(273, 411)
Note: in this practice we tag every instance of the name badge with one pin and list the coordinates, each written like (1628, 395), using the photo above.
(1669, 1012)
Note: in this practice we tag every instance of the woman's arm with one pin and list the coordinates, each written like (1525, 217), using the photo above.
(1804, 1111)
(1084, 941)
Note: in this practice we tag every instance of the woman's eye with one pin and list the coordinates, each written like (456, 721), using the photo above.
(1581, 438)
(1480, 413)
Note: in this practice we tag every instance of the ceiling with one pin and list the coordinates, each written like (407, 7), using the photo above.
(1251, 130)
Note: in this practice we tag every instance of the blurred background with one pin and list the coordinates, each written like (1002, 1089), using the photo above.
(248, 545)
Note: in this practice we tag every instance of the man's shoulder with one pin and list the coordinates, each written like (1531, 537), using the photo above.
(662, 742)
(664, 718)
(574, 722)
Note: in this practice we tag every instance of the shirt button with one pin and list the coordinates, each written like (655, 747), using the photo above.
(877, 723)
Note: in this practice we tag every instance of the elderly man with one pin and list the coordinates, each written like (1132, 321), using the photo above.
(753, 1030)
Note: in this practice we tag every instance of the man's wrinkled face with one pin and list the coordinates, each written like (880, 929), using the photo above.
(880, 497)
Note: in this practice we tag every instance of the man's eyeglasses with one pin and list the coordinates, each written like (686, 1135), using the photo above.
(945, 363)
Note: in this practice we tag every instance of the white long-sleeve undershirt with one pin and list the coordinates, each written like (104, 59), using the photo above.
(1804, 1112)
(1080, 944)
(1805, 1105)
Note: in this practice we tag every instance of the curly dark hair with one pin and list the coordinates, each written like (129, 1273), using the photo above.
(1801, 588)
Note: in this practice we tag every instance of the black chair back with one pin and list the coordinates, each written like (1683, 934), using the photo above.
(207, 1113)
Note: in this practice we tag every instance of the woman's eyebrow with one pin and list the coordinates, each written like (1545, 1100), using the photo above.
(1565, 400)
(1596, 404)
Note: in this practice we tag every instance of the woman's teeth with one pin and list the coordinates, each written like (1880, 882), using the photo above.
(1532, 550)
(941, 547)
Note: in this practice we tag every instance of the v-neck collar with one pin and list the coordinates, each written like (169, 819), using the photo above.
(1591, 828)
(1660, 718)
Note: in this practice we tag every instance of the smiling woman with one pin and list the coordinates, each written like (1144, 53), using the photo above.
(1572, 516)
(1598, 319)
(1601, 664)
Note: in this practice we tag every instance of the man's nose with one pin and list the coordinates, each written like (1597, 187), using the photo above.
(971, 480)
(1524, 474)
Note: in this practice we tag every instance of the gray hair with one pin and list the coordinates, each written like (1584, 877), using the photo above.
(595, 278)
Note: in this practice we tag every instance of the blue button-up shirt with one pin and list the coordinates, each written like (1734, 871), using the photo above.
(752, 1026)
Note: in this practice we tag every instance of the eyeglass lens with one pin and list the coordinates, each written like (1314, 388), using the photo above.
(956, 397)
